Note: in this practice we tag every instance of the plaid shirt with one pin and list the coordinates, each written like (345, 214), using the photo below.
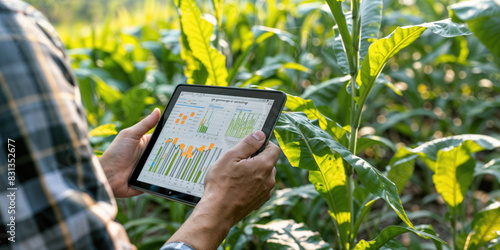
(57, 196)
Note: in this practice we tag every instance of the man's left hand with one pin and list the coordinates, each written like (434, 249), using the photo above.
(122, 155)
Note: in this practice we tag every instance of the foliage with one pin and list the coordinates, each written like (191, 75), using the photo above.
(365, 136)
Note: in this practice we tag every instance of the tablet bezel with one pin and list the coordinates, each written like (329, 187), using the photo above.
(279, 98)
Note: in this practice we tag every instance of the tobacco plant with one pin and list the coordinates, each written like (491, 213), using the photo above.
(328, 150)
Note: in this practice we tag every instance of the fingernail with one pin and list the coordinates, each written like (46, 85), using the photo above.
(258, 135)
(154, 110)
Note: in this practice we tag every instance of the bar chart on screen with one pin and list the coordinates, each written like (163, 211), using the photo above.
(243, 123)
(184, 162)
(214, 120)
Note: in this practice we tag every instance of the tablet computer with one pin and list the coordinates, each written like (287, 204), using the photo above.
(199, 124)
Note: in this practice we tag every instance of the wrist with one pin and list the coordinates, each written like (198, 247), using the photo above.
(207, 226)
(219, 215)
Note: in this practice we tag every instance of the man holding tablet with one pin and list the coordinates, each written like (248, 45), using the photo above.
(64, 195)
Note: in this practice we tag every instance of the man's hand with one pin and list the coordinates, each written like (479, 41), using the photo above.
(235, 186)
(122, 155)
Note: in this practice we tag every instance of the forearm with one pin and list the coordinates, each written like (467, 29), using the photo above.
(207, 226)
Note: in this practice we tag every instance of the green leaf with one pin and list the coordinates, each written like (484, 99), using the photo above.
(198, 32)
(133, 104)
(485, 226)
(297, 104)
(194, 70)
(383, 49)
(454, 173)
(300, 139)
(447, 28)
(218, 7)
(371, 17)
(344, 31)
(428, 152)
(295, 66)
(287, 234)
(389, 233)
(326, 171)
(109, 94)
(483, 18)
(262, 33)
(322, 93)
(380, 52)
(104, 130)
(491, 168)
(338, 48)
(401, 168)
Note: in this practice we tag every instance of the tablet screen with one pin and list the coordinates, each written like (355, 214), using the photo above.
(200, 128)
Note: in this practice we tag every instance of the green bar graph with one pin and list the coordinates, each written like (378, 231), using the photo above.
(205, 122)
(157, 154)
(242, 124)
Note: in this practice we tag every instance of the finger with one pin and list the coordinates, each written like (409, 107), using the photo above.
(268, 157)
(142, 127)
(248, 146)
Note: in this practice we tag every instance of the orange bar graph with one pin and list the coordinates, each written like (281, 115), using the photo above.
(175, 141)
(211, 146)
(177, 121)
(181, 114)
(192, 114)
(201, 149)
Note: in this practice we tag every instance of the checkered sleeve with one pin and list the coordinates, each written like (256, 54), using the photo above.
(57, 196)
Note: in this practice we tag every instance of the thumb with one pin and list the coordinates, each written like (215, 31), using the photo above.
(146, 124)
(249, 145)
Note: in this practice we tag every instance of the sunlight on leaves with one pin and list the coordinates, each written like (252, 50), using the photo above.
(198, 32)
(104, 130)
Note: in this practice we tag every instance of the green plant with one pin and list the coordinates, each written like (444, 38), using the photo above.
(328, 150)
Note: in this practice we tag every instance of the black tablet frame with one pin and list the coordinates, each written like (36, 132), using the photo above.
(279, 98)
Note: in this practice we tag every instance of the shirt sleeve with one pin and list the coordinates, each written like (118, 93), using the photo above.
(61, 197)
(176, 246)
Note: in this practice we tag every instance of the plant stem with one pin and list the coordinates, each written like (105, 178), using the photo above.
(355, 110)
(454, 226)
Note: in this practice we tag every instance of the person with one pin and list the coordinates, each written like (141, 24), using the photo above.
(55, 193)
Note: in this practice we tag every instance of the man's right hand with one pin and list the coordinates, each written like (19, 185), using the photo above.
(241, 183)
(235, 185)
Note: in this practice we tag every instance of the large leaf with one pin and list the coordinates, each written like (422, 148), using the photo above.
(389, 233)
(300, 139)
(447, 28)
(371, 17)
(194, 70)
(483, 18)
(454, 173)
(383, 49)
(428, 152)
(380, 52)
(326, 171)
(287, 234)
(198, 32)
(485, 226)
